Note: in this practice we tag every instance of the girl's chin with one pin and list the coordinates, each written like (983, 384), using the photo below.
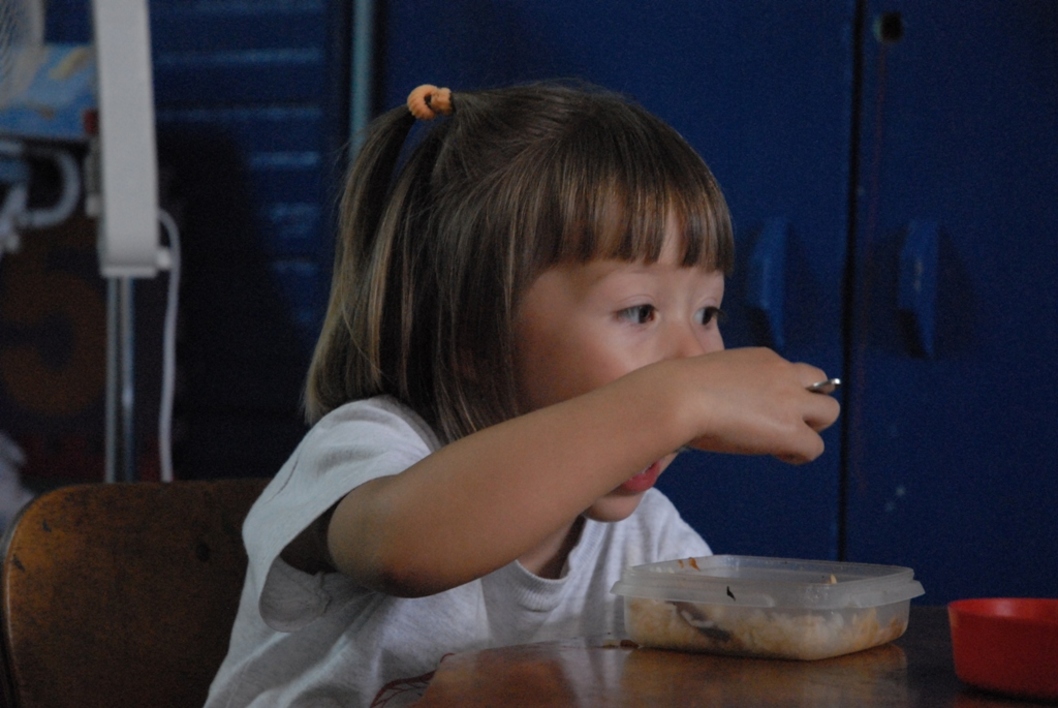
(613, 507)
(623, 501)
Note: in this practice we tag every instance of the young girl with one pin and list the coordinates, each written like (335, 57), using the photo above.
(523, 329)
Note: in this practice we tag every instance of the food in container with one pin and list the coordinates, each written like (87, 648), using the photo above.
(766, 607)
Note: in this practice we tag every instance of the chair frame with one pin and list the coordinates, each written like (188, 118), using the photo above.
(122, 594)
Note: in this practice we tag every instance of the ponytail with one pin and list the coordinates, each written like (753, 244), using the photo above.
(339, 368)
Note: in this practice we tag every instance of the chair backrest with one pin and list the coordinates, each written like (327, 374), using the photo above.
(122, 594)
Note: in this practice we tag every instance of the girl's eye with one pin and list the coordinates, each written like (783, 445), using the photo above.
(708, 315)
(640, 314)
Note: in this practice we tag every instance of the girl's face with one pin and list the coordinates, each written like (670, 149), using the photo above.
(580, 326)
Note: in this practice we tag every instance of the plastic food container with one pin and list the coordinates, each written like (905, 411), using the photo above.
(1006, 644)
(766, 607)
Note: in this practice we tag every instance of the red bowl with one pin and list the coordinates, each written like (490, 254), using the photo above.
(1007, 645)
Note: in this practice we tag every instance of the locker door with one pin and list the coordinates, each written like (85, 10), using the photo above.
(763, 91)
(954, 398)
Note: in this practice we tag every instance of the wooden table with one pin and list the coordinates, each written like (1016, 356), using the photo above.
(916, 670)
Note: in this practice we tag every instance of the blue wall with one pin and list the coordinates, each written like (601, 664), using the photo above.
(897, 160)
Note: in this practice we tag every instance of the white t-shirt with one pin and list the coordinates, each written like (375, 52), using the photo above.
(303, 640)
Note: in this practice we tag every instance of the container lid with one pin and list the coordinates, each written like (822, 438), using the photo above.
(752, 581)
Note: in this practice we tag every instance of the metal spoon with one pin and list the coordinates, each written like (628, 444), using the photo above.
(694, 616)
(827, 386)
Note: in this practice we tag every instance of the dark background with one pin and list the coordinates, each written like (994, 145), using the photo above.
(890, 168)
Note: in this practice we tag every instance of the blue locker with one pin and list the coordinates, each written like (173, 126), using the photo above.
(952, 451)
(890, 170)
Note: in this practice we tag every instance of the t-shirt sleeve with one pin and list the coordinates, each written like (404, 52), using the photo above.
(356, 443)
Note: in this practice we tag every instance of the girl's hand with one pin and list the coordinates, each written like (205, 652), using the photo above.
(752, 401)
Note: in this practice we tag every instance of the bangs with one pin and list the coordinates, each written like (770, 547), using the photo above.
(616, 184)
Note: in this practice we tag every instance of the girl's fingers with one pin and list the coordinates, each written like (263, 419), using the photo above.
(753, 401)
(810, 375)
(810, 447)
(822, 412)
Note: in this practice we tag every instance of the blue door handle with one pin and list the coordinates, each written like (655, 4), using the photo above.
(917, 286)
(766, 281)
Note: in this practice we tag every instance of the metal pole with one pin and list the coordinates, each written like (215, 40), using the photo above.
(120, 402)
(113, 367)
(362, 71)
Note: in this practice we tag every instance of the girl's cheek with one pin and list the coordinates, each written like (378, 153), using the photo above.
(712, 342)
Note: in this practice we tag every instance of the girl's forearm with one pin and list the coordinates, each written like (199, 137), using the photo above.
(487, 499)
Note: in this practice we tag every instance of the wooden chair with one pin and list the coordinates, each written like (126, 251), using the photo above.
(122, 594)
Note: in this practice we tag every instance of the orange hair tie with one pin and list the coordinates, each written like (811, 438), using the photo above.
(427, 102)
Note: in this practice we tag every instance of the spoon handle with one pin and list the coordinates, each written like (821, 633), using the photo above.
(828, 386)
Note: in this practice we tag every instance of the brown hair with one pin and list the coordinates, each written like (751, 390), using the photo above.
(431, 261)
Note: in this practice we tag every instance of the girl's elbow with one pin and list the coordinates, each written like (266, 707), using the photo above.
(395, 572)
(406, 582)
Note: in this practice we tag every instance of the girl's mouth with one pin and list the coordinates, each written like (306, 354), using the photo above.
(643, 481)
